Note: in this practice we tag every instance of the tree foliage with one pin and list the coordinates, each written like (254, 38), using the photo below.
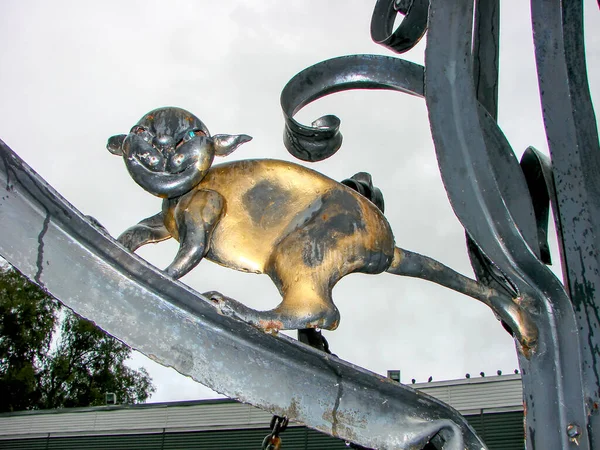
(51, 358)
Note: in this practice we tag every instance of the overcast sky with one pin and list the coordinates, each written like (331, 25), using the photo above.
(75, 73)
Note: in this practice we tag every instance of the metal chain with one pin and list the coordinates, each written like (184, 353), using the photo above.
(272, 441)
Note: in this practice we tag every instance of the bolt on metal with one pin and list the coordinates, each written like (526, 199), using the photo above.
(574, 432)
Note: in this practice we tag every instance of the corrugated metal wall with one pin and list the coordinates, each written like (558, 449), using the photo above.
(295, 438)
(138, 419)
(503, 431)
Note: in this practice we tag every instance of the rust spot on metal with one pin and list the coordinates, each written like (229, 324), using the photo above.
(292, 412)
(343, 424)
(270, 326)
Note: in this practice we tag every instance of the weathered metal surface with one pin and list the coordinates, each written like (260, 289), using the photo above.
(64, 252)
(572, 133)
(474, 184)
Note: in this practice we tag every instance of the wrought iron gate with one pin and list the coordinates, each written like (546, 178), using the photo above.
(502, 204)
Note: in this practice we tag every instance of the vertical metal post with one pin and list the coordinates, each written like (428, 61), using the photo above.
(572, 134)
(477, 172)
(573, 141)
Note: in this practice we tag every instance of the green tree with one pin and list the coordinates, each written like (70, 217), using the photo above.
(51, 358)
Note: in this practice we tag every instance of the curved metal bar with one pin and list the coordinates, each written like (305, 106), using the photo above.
(486, 58)
(537, 169)
(513, 189)
(472, 186)
(509, 179)
(409, 32)
(323, 139)
(572, 133)
(537, 174)
(49, 241)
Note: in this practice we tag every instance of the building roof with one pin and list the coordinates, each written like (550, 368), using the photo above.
(478, 395)
(469, 396)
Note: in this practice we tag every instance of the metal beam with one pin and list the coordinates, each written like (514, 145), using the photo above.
(53, 244)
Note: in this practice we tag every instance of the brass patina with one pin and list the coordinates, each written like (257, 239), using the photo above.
(301, 228)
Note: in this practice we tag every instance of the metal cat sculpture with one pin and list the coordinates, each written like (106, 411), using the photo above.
(301, 228)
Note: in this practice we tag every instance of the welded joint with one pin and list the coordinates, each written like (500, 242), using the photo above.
(518, 320)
